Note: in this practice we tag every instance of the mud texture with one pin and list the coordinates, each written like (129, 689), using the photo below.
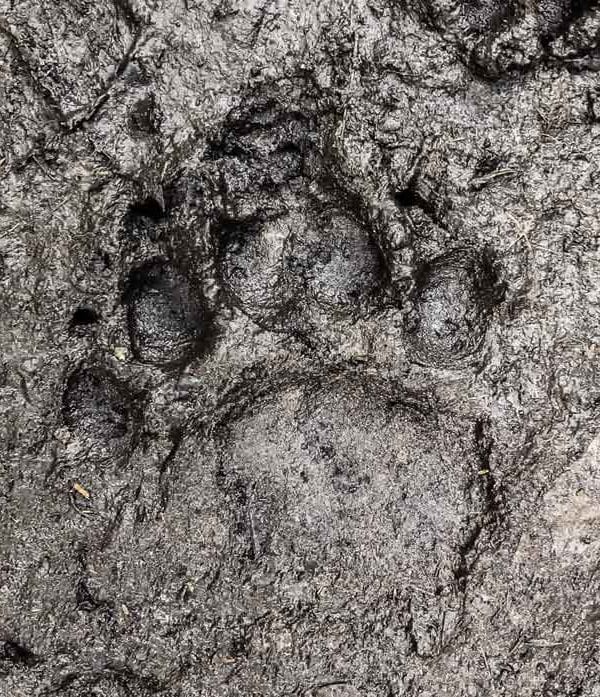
(299, 328)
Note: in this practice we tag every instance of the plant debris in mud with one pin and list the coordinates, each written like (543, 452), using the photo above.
(298, 335)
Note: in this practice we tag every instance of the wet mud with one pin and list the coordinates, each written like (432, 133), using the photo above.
(299, 324)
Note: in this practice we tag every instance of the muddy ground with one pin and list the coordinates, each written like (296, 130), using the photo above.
(299, 334)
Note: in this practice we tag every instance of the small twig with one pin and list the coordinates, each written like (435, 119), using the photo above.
(255, 542)
(544, 644)
(480, 182)
(487, 665)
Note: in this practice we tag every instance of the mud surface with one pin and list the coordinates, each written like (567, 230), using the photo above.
(299, 330)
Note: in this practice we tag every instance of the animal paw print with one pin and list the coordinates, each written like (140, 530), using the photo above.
(454, 296)
(296, 250)
(165, 315)
(327, 475)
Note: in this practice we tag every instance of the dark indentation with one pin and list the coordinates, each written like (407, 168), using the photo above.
(17, 653)
(264, 144)
(261, 114)
(144, 218)
(263, 129)
(96, 405)
(345, 478)
(264, 148)
(149, 208)
(556, 16)
(240, 644)
(224, 10)
(408, 198)
(341, 267)
(412, 198)
(166, 317)
(591, 111)
(474, 16)
(144, 118)
(83, 597)
(491, 493)
(250, 507)
(454, 294)
(84, 317)
(251, 267)
(489, 15)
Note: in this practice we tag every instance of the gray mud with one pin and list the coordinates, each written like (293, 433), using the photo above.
(299, 333)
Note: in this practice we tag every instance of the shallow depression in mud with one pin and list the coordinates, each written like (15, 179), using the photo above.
(345, 473)
(166, 317)
(253, 270)
(454, 296)
(337, 264)
(96, 406)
